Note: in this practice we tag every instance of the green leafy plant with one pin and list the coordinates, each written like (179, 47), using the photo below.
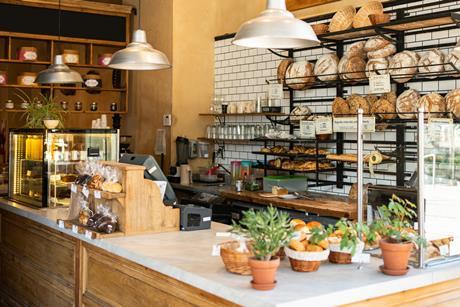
(268, 230)
(317, 235)
(349, 234)
(394, 222)
(40, 108)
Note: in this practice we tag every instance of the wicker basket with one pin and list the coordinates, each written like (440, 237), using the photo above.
(320, 28)
(305, 261)
(361, 18)
(234, 261)
(379, 18)
(340, 258)
(304, 266)
(343, 19)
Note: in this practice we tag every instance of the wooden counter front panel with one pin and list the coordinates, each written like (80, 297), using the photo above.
(111, 280)
(38, 264)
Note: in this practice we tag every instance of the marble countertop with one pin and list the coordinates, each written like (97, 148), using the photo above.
(186, 256)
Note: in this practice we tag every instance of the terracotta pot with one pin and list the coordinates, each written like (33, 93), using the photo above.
(264, 273)
(395, 256)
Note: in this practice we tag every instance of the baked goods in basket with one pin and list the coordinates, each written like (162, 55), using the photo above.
(384, 52)
(407, 104)
(340, 106)
(431, 63)
(434, 104)
(453, 102)
(356, 102)
(384, 109)
(352, 68)
(299, 75)
(342, 19)
(282, 68)
(375, 43)
(403, 66)
(376, 67)
(326, 67)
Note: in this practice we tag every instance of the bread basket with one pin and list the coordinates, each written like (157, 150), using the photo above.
(361, 18)
(343, 19)
(235, 261)
(305, 261)
(320, 28)
(379, 18)
(343, 256)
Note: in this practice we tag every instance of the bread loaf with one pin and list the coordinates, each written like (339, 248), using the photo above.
(407, 102)
(453, 102)
(384, 52)
(356, 49)
(453, 62)
(433, 103)
(431, 63)
(299, 75)
(326, 67)
(376, 67)
(375, 43)
(371, 99)
(391, 97)
(352, 68)
(340, 106)
(282, 68)
(384, 109)
(403, 66)
(356, 102)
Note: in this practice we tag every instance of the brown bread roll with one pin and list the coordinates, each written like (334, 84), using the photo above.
(384, 52)
(357, 102)
(452, 61)
(326, 67)
(356, 49)
(433, 102)
(376, 67)
(375, 43)
(431, 63)
(391, 97)
(352, 69)
(384, 109)
(453, 102)
(299, 75)
(403, 66)
(340, 106)
(407, 102)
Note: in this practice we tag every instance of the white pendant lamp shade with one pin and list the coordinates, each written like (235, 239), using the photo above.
(276, 28)
(58, 73)
(139, 55)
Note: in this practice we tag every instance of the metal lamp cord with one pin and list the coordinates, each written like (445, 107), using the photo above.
(139, 17)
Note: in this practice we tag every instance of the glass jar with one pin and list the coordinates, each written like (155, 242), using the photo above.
(93, 106)
(113, 107)
(64, 105)
(78, 106)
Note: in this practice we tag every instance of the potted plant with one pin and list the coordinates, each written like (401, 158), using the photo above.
(344, 240)
(267, 230)
(41, 111)
(398, 235)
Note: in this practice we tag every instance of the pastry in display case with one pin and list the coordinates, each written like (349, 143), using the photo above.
(43, 162)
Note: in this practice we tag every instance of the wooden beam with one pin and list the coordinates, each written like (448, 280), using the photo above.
(294, 5)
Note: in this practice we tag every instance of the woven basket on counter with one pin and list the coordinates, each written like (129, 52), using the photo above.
(305, 261)
(343, 19)
(361, 18)
(235, 261)
(339, 258)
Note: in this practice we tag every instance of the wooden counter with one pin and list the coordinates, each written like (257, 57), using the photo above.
(321, 204)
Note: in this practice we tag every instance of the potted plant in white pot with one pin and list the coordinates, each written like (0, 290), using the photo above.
(42, 111)
(267, 230)
(398, 235)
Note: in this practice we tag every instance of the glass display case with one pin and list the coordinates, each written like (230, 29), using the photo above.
(43, 162)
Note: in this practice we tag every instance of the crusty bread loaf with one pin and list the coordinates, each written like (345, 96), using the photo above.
(282, 68)
(340, 106)
(384, 109)
(326, 67)
(391, 97)
(352, 68)
(407, 102)
(356, 49)
(453, 102)
(384, 52)
(375, 43)
(371, 99)
(356, 102)
(403, 66)
(376, 67)
(433, 103)
(299, 75)
(452, 62)
(431, 63)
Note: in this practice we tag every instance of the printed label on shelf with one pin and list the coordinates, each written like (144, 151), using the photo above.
(275, 91)
(350, 124)
(440, 121)
(74, 228)
(379, 84)
(85, 191)
(206, 219)
(73, 188)
(88, 234)
(215, 250)
(61, 224)
(323, 125)
(97, 194)
(307, 129)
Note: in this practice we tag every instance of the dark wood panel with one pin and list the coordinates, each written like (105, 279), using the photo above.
(294, 5)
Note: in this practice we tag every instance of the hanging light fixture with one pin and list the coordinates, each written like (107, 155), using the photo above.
(139, 55)
(58, 72)
(276, 28)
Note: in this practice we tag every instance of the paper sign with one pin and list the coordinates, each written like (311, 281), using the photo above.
(440, 121)
(88, 234)
(73, 188)
(307, 129)
(275, 91)
(61, 224)
(97, 194)
(74, 228)
(162, 186)
(206, 219)
(350, 124)
(379, 84)
(215, 250)
(323, 125)
(223, 234)
(85, 191)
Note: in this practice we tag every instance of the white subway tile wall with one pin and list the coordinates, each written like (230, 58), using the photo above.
(243, 74)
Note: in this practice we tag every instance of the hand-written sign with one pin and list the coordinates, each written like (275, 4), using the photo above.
(350, 124)
(379, 84)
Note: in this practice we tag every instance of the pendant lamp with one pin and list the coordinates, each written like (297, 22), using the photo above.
(58, 72)
(276, 28)
(139, 54)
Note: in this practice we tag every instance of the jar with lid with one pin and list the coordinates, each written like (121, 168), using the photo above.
(9, 104)
(78, 106)
(64, 105)
(94, 106)
(113, 107)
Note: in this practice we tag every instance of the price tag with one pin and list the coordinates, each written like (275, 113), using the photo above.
(73, 188)
(323, 125)
(215, 250)
(74, 228)
(61, 224)
(350, 124)
(361, 258)
(88, 234)
(307, 129)
(275, 91)
(440, 121)
(85, 191)
(379, 84)
(97, 194)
